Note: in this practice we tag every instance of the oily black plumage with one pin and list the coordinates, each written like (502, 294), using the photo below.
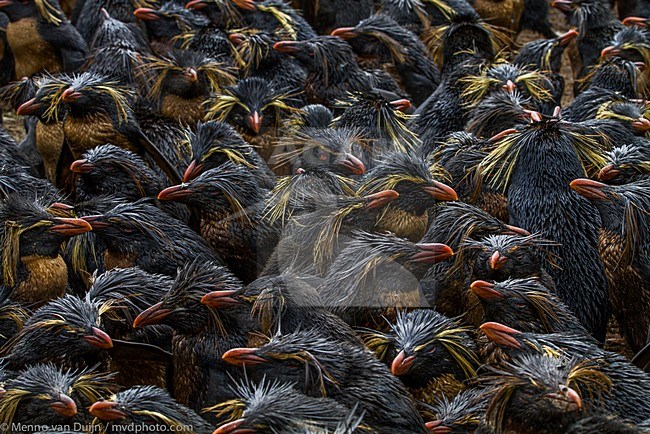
(15, 181)
(382, 43)
(113, 32)
(331, 150)
(508, 77)
(181, 81)
(534, 167)
(380, 121)
(255, 109)
(214, 143)
(415, 180)
(67, 331)
(259, 59)
(541, 393)
(630, 43)
(610, 80)
(12, 316)
(628, 383)
(139, 234)
(526, 305)
(273, 406)
(545, 55)
(31, 240)
(596, 25)
(433, 355)
(170, 19)
(46, 395)
(462, 413)
(12, 155)
(146, 405)
(418, 16)
(625, 164)
(377, 274)
(231, 203)
(275, 17)
(332, 70)
(89, 17)
(285, 303)
(312, 239)
(445, 111)
(42, 39)
(349, 374)
(328, 15)
(623, 246)
(501, 257)
(497, 112)
(201, 334)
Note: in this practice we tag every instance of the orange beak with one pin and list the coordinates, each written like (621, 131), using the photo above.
(345, 33)
(106, 411)
(401, 364)
(501, 334)
(71, 226)
(65, 406)
(589, 188)
(254, 121)
(484, 289)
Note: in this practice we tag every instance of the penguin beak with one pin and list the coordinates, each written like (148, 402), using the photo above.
(431, 253)
(565, 38)
(497, 260)
(28, 107)
(152, 315)
(248, 5)
(608, 172)
(175, 192)
(345, 33)
(196, 5)
(146, 14)
(635, 21)
(192, 75)
(353, 164)
(485, 290)
(610, 52)
(99, 339)
(436, 427)
(65, 406)
(401, 104)
(563, 5)
(254, 121)
(82, 166)
(71, 226)
(509, 87)
(243, 357)
(589, 188)
(70, 95)
(440, 191)
(381, 199)
(401, 364)
(502, 134)
(220, 299)
(106, 411)
(641, 125)
(287, 47)
(234, 427)
(192, 171)
(500, 334)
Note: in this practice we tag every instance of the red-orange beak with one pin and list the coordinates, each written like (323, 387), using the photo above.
(509, 87)
(175, 192)
(236, 38)
(589, 188)
(82, 166)
(95, 221)
(248, 5)
(440, 191)
(70, 95)
(381, 198)
(563, 5)
(401, 104)
(243, 357)
(191, 75)
(146, 14)
(641, 125)
(196, 5)
(345, 33)
(287, 47)
(28, 107)
(4, 3)
(401, 364)
(610, 52)
(518, 231)
(220, 299)
(485, 290)
(106, 411)
(635, 21)
(254, 121)
(99, 339)
(65, 406)
(566, 38)
(501, 334)
(608, 173)
(151, 315)
(436, 427)
(71, 226)
(497, 260)
(192, 171)
(431, 253)
(352, 164)
(234, 427)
